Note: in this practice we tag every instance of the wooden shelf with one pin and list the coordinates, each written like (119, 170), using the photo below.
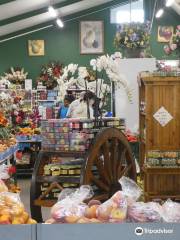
(50, 179)
(45, 203)
(66, 154)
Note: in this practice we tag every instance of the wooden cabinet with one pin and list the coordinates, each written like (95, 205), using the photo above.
(156, 93)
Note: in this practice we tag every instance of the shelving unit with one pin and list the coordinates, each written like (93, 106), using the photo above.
(27, 169)
(157, 135)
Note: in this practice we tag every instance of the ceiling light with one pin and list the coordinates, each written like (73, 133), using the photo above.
(169, 3)
(159, 13)
(60, 23)
(52, 11)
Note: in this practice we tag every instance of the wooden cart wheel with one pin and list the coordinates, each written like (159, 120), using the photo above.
(109, 158)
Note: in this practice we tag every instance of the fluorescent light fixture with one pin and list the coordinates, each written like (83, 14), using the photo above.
(60, 23)
(159, 13)
(52, 11)
(169, 3)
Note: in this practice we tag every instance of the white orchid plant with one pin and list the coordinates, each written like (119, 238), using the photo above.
(105, 68)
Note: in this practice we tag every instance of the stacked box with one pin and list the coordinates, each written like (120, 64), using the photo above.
(66, 134)
(79, 141)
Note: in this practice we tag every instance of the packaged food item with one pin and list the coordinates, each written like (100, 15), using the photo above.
(145, 212)
(70, 206)
(171, 212)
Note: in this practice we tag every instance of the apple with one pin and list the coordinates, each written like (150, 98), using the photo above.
(118, 214)
(71, 219)
(5, 219)
(90, 212)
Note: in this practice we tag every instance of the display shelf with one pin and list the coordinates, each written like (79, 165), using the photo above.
(75, 154)
(60, 179)
(27, 169)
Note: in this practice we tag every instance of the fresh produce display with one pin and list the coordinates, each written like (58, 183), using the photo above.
(121, 207)
(12, 210)
(71, 209)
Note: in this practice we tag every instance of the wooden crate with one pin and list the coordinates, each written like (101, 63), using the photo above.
(161, 183)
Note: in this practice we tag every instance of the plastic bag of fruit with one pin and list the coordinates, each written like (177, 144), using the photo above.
(12, 210)
(115, 209)
(130, 189)
(145, 212)
(70, 207)
(171, 212)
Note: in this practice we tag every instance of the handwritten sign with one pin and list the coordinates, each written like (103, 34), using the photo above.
(163, 116)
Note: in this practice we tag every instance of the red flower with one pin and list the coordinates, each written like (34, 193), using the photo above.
(12, 170)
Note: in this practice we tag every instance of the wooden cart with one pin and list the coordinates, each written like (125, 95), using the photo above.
(108, 158)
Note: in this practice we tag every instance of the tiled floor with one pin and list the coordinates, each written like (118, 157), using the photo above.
(25, 197)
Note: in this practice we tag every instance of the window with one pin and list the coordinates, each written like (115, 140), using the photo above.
(121, 14)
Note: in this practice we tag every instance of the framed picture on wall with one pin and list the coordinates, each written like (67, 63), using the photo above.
(91, 37)
(165, 33)
(36, 47)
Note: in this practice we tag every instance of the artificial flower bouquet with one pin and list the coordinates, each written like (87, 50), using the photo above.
(16, 75)
(49, 74)
(134, 35)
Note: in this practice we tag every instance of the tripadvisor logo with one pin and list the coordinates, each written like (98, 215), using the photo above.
(139, 231)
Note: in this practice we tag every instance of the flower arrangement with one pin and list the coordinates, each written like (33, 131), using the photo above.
(174, 44)
(5, 102)
(50, 73)
(134, 35)
(3, 120)
(93, 78)
(4, 133)
(16, 75)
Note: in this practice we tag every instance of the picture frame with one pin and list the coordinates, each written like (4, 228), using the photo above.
(91, 37)
(36, 47)
(165, 33)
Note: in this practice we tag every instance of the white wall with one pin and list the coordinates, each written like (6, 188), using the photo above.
(130, 68)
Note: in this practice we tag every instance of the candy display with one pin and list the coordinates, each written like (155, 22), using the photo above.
(66, 135)
(163, 158)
